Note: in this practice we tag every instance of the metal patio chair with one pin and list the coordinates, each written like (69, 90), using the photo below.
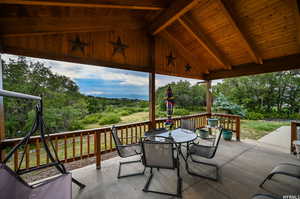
(204, 151)
(287, 169)
(158, 152)
(126, 151)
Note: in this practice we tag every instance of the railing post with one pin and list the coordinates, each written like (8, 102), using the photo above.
(238, 128)
(208, 97)
(98, 149)
(2, 129)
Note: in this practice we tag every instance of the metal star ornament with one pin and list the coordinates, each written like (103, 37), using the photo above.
(171, 59)
(78, 45)
(119, 47)
(187, 68)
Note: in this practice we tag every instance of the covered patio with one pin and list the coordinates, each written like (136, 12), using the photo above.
(244, 166)
(199, 39)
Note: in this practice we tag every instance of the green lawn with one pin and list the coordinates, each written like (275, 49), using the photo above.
(255, 129)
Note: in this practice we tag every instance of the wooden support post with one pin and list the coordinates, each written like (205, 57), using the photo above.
(238, 128)
(2, 129)
(294, 125)
(98, 149)
(208, 97)
(152, 100)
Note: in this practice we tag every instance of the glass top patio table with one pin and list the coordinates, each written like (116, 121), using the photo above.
(180, 135)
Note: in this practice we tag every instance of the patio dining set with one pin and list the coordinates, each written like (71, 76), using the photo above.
(162, 149)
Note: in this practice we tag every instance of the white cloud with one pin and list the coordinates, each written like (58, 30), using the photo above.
(94, 93)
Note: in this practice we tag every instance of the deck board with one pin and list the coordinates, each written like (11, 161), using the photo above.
(243, 166)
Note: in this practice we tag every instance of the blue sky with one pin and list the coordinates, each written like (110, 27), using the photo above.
(106, 82)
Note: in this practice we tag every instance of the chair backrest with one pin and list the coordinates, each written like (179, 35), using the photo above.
(188, 124)
(217, 141)
(114, 132)
(158, 152)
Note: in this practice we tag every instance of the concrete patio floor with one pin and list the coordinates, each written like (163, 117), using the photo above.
(243, 165)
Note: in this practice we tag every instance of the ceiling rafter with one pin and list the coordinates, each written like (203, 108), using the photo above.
(120, 4)
(226, 9)
(204, 41)
(182, 49)
(171, 14)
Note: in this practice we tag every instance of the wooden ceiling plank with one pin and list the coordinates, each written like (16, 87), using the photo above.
(226, 9)
(204, 41)
(289, 62)
(120, 4)
(296, 9)
(171, 14)
(181, 48)
(33, 26)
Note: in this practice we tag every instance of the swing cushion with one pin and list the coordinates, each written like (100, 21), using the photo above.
(13, 187)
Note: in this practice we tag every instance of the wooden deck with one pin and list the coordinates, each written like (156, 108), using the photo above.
(243, 166)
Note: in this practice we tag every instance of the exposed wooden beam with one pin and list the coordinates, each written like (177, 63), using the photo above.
(204, 41)
(32, 26)
(296, 9)
(229, 14)
(171, 14)
(120, 4)
(289, 62)
(182, 49)
(69, 58)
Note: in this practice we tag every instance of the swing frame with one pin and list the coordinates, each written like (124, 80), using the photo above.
(37, 125)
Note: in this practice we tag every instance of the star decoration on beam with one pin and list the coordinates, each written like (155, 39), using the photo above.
(78, 45)
(119, 47)
(187, 68)
(171, 59)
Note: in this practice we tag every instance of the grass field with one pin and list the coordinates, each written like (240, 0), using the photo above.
(135, 117)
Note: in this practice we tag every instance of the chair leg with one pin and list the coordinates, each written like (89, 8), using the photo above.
(267, 178)
(129, 175)
(202, 176)
(179, 187)
(81, 185)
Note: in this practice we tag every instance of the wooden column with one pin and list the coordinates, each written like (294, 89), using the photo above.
(152, 99)
(294, 125)
(208, 97)
(2, 129)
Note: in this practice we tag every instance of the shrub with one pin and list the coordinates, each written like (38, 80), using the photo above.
(181, 111)
(254, 116)
(124, 113)
(109, 118)
(92, 118)
(160, 114)
(223, 104)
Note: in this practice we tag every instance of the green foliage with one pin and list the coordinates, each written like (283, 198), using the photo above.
(186, 96)
(254, 116)
(181, 111)
(92, 118)
(275, 95)
(110, 118)
(223, 104)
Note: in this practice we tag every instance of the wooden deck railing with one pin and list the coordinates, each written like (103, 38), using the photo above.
(77, 145)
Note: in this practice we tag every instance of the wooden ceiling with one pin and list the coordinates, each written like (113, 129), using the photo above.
(202, 39)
